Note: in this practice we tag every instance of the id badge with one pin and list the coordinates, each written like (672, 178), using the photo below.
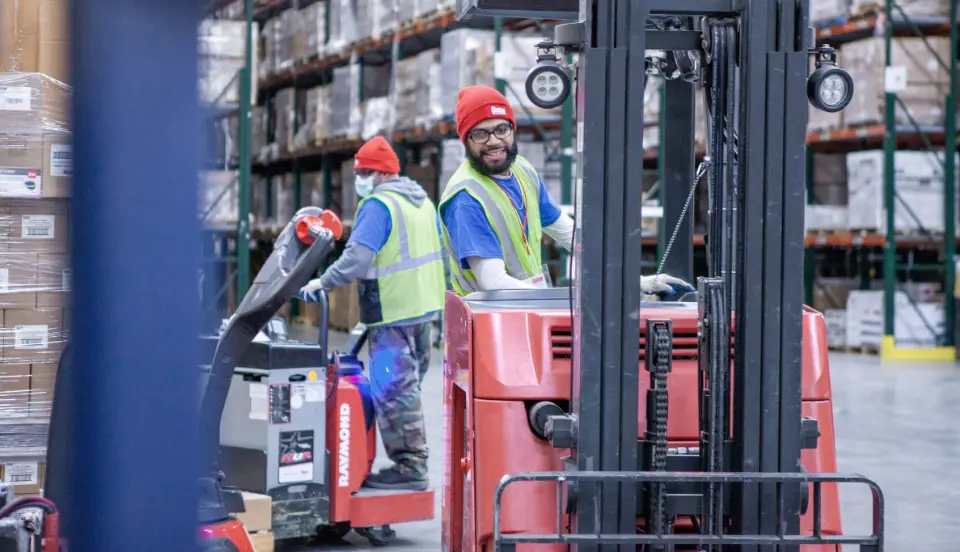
(538, 280)
(541, 280)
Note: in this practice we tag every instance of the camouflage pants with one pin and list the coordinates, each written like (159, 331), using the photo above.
(399, 357)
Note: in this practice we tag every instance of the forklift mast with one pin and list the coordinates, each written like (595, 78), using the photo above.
(751, 59)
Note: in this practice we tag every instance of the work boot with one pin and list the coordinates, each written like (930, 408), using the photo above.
(395, 480)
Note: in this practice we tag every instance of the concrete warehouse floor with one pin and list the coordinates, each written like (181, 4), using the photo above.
(896, 423)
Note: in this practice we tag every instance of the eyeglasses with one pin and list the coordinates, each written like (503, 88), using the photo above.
(363, 173)
(482, 135)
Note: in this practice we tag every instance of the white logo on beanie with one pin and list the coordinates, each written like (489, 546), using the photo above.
(356, 162)
(495, 110)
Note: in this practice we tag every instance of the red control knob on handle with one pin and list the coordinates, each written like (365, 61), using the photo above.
(309, 227)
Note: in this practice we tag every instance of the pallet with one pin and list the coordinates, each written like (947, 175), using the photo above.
(872, 350)
(427, 20)
(865, 10)
(344, 141)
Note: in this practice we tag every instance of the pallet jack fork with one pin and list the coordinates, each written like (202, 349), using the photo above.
(743, 487)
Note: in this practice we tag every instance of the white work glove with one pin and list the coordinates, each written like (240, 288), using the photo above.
(664, 284)
(311, 292)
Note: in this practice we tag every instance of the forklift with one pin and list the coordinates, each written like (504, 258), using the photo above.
(590, 418)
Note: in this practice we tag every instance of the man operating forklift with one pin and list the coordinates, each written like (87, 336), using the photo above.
(495, 208)
(394, 254)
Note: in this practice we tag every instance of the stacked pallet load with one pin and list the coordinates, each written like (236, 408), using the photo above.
(35, 171)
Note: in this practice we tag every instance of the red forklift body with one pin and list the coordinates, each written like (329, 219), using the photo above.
(501, 361)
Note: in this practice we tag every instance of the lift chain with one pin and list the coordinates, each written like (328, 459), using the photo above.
(658, 362)
(701, 170)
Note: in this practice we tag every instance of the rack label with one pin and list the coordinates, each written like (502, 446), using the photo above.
(37, 227)
(15, 98)
(34, 336)
(20, 182)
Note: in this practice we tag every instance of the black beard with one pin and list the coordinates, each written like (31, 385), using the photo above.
(477, 162)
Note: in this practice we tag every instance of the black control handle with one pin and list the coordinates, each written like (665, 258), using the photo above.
(323, 325)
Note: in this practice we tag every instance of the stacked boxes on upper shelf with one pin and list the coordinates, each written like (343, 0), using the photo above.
(35, 172)
(221, 46)
(926, 82)
(469, 56)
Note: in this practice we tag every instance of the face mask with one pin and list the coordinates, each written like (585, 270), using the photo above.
(363, 185)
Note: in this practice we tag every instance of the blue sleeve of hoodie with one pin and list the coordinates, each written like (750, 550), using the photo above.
(373, 225)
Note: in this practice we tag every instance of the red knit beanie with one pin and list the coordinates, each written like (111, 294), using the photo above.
(377, 155)
(478, 103)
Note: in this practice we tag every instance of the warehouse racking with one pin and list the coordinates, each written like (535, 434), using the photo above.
(906, 107)
(323, 155)
(915, 253)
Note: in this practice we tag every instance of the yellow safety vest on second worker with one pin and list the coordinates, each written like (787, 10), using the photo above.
(406, 279)
(521, 256)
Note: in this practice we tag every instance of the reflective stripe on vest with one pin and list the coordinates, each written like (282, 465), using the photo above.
(405, 262)
(463, 278)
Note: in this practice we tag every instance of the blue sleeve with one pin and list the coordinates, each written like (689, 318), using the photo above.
(549, 212)
(373, 225)
(470, 232)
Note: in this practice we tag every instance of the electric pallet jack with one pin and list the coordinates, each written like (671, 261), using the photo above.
(280, 417)
(591, 419)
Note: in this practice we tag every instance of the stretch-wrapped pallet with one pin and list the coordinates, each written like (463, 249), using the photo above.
(36, 167)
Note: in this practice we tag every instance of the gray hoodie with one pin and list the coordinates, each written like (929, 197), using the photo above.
(357, 258)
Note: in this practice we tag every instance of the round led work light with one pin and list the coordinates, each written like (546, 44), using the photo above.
(829, 88)
(548, 85)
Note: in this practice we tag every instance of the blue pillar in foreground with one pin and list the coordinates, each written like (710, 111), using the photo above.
(135, 255)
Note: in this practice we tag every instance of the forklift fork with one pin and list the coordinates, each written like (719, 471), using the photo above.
(867, 543)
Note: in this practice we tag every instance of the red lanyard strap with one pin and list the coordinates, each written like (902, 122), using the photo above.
(516, 212)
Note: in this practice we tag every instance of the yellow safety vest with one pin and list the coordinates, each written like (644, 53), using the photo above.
(521, 258)
(406, 279)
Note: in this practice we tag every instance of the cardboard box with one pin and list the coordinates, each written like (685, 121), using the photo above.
(344, 307)
(43, 380)
(53, 280)
(38, 226)
(259, 512)
(14, 390)
(927, 83)
(53, 56)
(25, 474)
(18, 280)
(32, 336)
(262, 541)
(33, 103)
(35, 166)
(34, 36)
(918, 179)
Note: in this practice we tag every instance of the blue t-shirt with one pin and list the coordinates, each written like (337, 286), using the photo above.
(373, 226)
(471, 234)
